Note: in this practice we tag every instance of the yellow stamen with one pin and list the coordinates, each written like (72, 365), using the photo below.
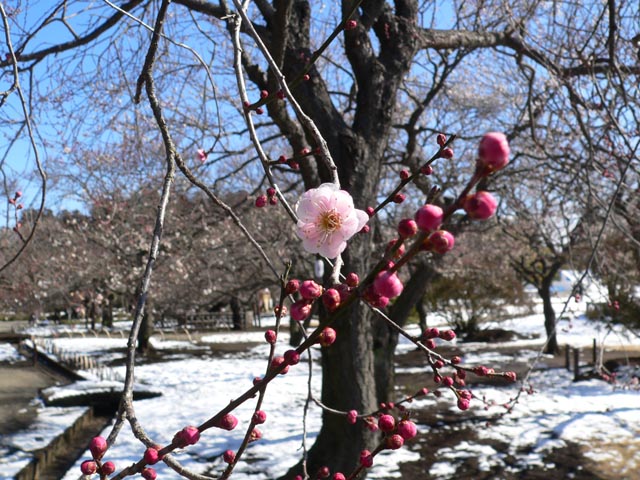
(329, 221)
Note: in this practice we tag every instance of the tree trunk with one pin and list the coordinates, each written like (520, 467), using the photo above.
(549, 319)
(348, 381)
(422, 315)
(236, 313)
(146, 329)
(107, 314)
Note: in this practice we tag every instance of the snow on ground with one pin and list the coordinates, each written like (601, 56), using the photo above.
(589, 413)
(9, 354)
(195, 389)
(16, 450)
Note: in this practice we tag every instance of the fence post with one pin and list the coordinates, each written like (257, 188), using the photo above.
(595, 352)
(576, 364)
(567, 357)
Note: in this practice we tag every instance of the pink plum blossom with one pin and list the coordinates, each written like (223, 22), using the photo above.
(327, 219)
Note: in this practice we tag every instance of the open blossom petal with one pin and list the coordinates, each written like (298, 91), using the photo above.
(327, 219)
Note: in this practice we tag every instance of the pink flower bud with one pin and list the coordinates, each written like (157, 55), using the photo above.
(480, 206)
(387, 284)
(281, 95)
(324, 472)
(259, 417)
(493, 153)
(407, 228)
(431, 333)
(440, 241)
(228, 422)
(108, 468)
(271, 192)
(259, 111)
(350, 25)
(151, 456)
(429, 218)
(426, 170)
(149, 474)
(292, 286)
(97, 447)
(352, 417)
(463, 404)
(399, 197)
(352, 279)
(187, 436)
(18, 194)
(447, 335)
(331, 299)
(447, 381)
(511, 376)
(327, 337)
(261, 201)
(375, 299)
(456, 360)
(255, 435)
(404, 174)
(88, 467)
(310, 290)
(394, 442)
(366, 459)
(202, 155)
(229, 456)
(300, 310)
(264, 94)
(407, 429)
(481, 371)
(447, 153)
(270, 336)
(291, 357)
(276, 362)
(438, 364)
(339, 476)
(441, 139)
(386, 423)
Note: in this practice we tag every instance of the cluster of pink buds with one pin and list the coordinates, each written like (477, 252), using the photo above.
(294, 162)
(269, 198)
(14, 200)
(97, 447)
(310, 291)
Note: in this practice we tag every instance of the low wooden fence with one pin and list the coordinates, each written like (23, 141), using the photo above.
(572, 360)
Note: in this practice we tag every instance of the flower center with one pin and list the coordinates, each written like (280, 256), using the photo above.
(330, 221)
